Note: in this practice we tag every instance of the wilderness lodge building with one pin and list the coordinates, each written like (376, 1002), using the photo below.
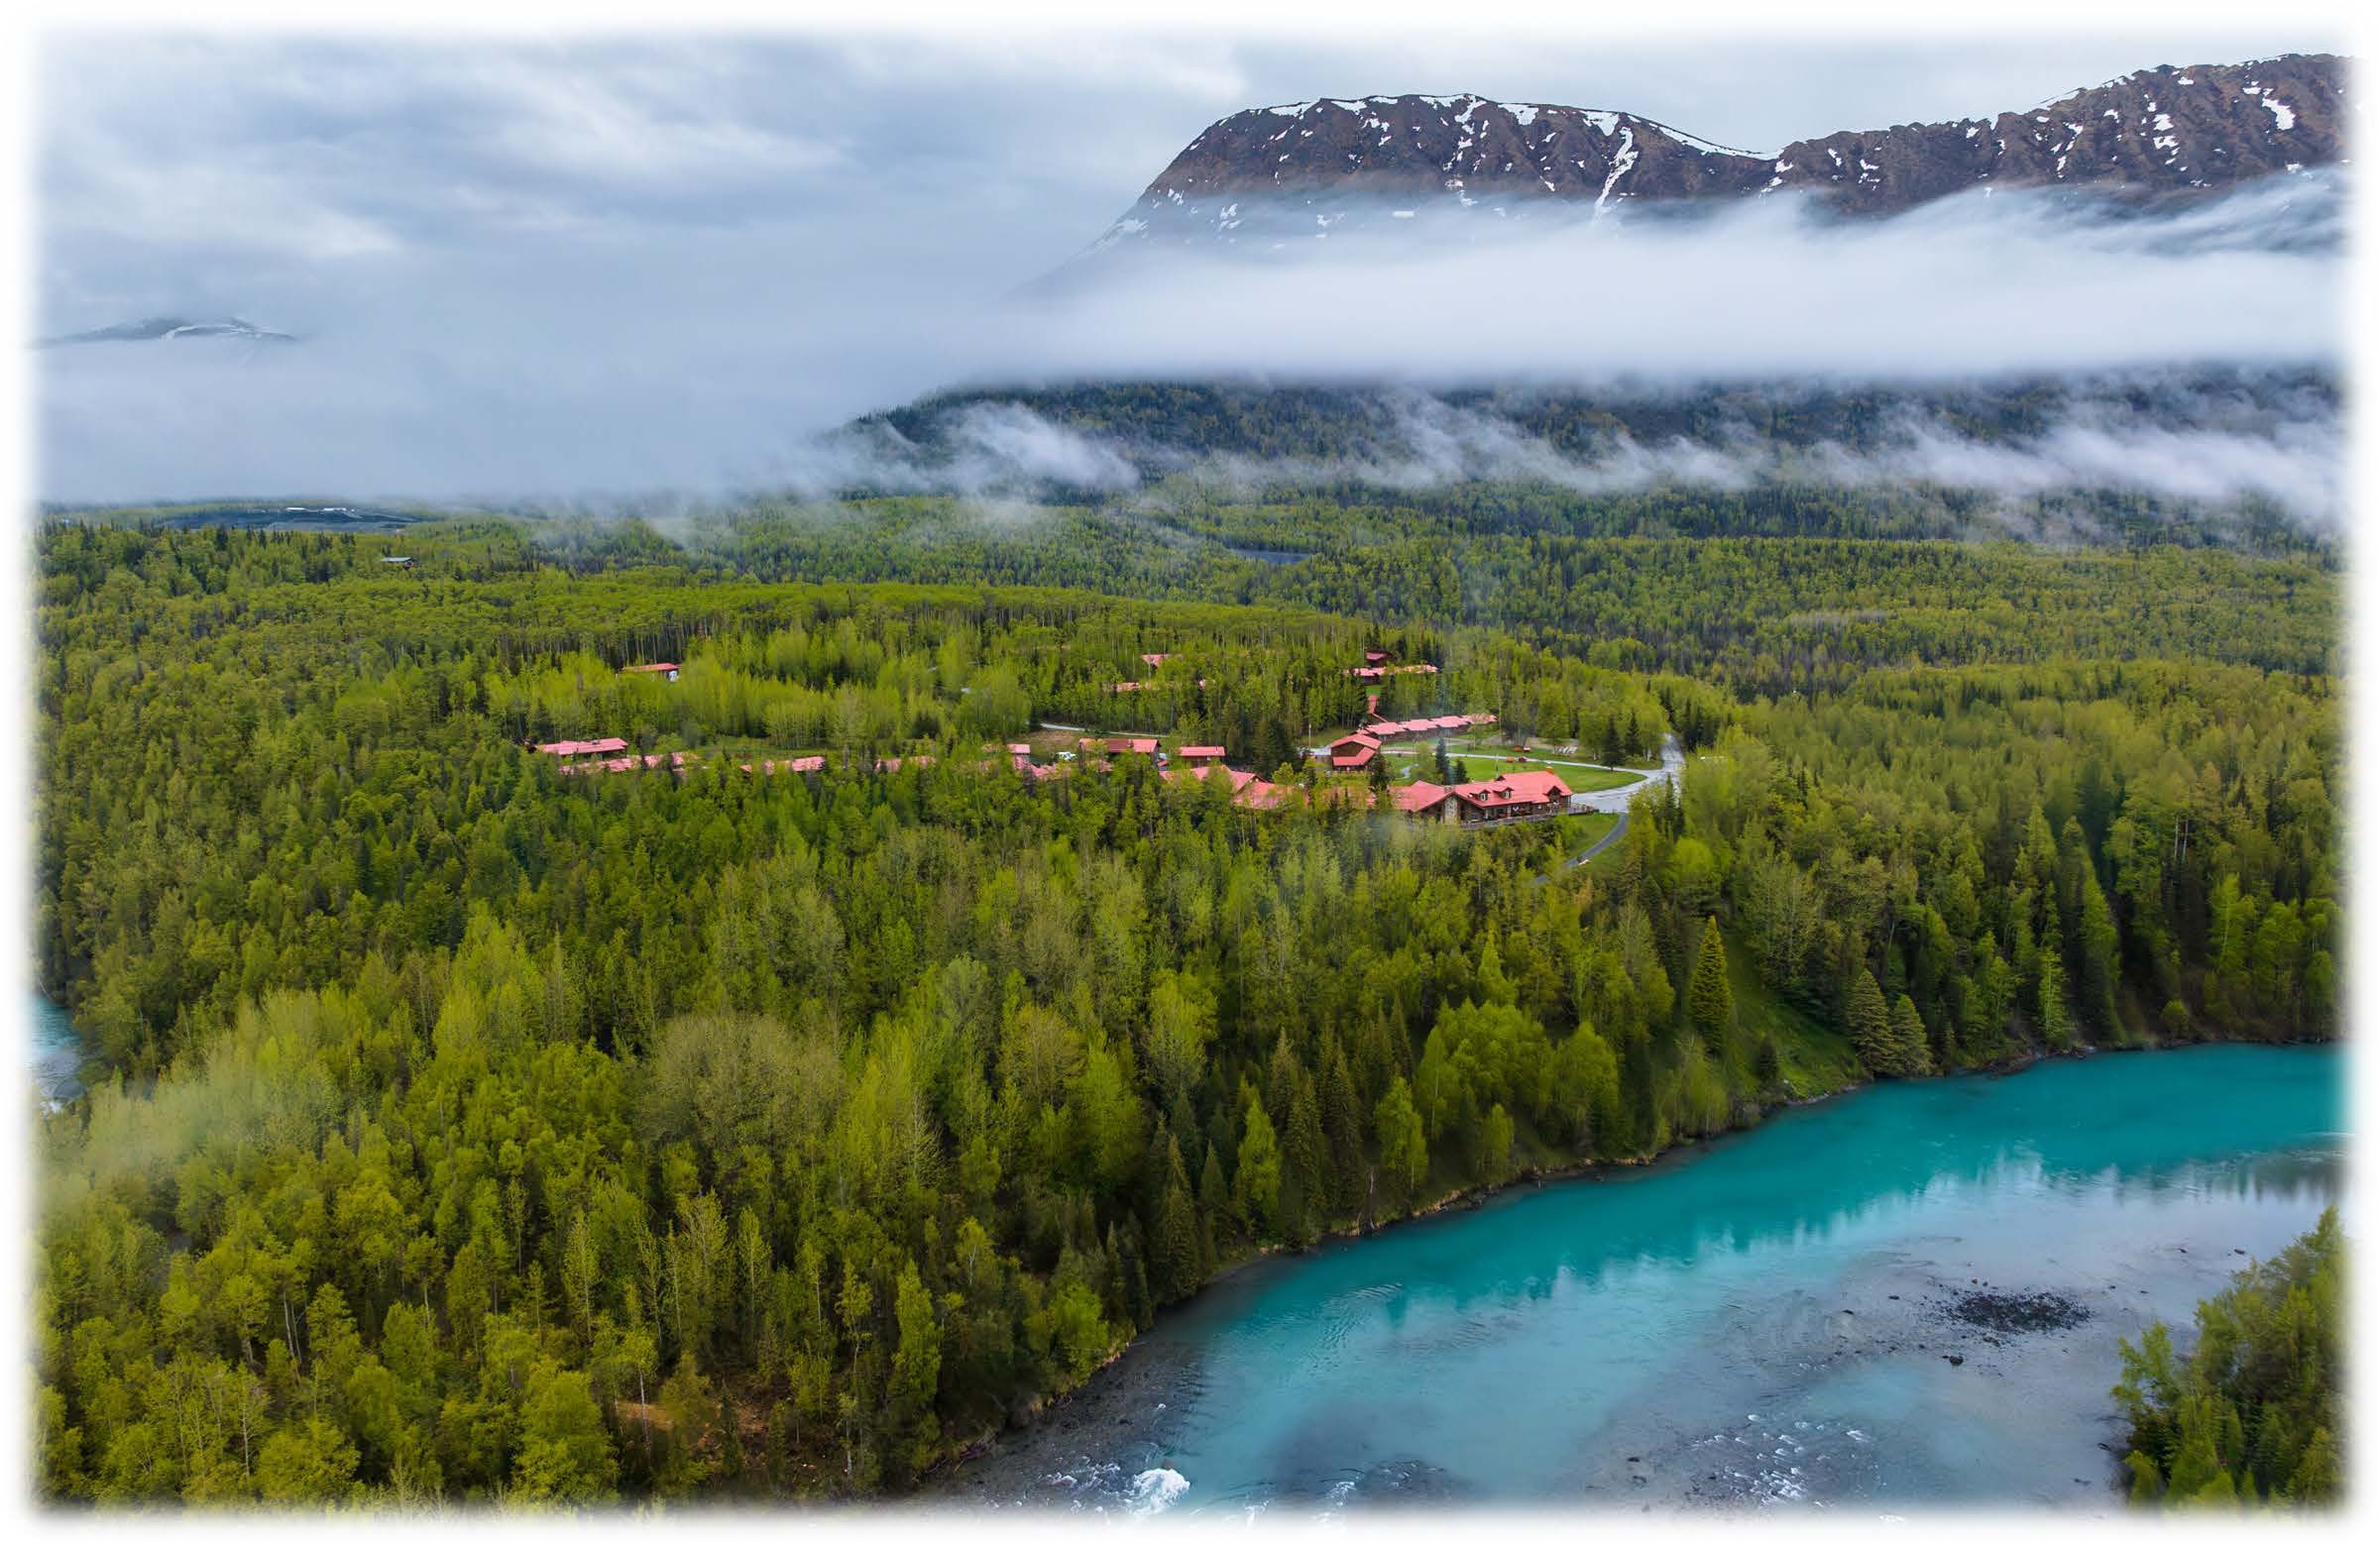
(1519, 796)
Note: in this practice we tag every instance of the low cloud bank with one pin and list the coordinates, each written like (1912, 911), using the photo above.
(713, 366)
(2036, 279)
(2205, 446)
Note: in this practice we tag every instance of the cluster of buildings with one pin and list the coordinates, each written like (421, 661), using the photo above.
(1375, 667)
(1355, 750)
(1198, 762)
(1098, 753)
(608, 745)
(676, 761)
(1508, 797)
(610, 754)
(1152, 661)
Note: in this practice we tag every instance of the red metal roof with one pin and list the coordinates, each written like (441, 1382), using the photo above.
(1420, 796)
(1215, 751)
(1510, 789)
(1239, 778)
(583, 747)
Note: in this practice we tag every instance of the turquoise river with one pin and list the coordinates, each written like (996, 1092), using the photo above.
(1841, 1309)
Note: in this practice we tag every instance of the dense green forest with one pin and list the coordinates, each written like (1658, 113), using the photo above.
(2251, 1415)
(467, 1130)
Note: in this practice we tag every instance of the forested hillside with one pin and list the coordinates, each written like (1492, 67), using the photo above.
(483, 1132)
(2252, 1413)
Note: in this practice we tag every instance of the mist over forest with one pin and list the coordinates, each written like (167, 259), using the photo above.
(619, 374)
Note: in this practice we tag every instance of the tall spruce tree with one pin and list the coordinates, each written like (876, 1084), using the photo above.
(1871, 1025)
(1342, 1129)
(1709, 999)
(1910, 1053)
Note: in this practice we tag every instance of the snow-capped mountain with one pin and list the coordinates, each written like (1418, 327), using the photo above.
(1308, 169)
(154, 329)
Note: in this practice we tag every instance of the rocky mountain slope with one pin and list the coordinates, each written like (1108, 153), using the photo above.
(1307, 167)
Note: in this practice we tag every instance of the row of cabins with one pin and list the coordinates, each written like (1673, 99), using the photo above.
(570, 750)
(1248, 790)
(1152, 661)
(1355, 751)
(1375, 667)
(675, 761)
(610, 754)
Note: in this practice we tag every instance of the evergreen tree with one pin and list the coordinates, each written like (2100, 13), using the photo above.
(1910, 1054)
(1709, 999)
(1343, 1130)
(1175, 1242)
(1308, 1159)
(1869, 1023)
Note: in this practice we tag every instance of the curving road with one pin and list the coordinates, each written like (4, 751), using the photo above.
(1618, 831)
(1618, 800)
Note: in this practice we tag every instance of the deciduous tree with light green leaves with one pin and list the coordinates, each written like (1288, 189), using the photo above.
(1404, 1148)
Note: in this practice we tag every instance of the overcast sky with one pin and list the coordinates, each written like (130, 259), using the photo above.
(631, 263)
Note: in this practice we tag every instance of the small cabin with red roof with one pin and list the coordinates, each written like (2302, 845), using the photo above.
(666, 669)
(1352, 752)
(1120, 745)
